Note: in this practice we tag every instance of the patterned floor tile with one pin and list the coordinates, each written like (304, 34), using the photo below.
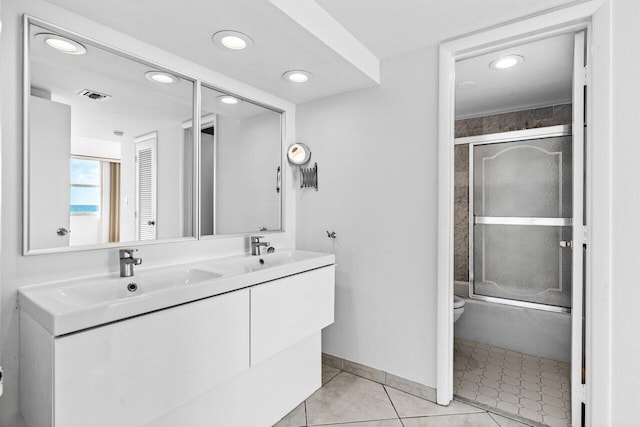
(524, 385)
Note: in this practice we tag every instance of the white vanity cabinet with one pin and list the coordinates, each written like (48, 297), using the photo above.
(201, 363)
(130, 372)
(286, 310)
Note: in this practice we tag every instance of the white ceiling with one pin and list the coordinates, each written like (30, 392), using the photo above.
(384, 27)
(543, 78)
(393, 27)
(137, 106)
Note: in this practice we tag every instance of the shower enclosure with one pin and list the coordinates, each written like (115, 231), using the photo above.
(520, 210)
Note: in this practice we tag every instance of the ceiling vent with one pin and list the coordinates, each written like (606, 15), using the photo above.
(96, 96)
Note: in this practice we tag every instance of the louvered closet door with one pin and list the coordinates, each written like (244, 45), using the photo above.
(146, 227)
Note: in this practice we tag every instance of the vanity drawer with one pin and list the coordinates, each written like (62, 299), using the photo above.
(129, 373)
(285, 311)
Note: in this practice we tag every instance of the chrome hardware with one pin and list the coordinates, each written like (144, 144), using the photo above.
(151, 222)
(271, 250)
(278, 179)
(256, 244)
(566, 243)
(132, 287)
(331, 235)
(62, 231)
(510, 220)
(127, 261)
(309, 177)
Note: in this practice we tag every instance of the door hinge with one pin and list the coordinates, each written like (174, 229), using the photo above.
(583, 393)
(1, 381)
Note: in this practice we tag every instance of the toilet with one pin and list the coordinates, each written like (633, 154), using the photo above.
(458, 307)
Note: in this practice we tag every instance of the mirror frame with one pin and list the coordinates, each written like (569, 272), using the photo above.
(197, 123)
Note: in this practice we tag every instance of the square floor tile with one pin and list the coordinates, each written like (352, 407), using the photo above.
(328, 372)
(466, 420)
(349, 398)
(408, 405)
(295, 418)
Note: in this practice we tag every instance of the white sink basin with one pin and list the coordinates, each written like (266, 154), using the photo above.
(72, 305)
(112, 289)
(251, 264)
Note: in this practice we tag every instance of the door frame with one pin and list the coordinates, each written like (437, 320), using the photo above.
(595, 17)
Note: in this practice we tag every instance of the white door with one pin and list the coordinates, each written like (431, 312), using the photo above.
(146, 187)
(49, 173)
(579, 231)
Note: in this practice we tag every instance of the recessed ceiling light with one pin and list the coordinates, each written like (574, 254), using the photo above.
(297, 76)
(228, 99)
(233, 40)
(161, 77)
(62, 44)
(506, 61)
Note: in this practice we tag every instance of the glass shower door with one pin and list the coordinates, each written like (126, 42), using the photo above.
(521, 222)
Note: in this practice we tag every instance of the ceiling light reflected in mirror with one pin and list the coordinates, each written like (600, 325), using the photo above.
(61, 44)
(228, 99)
(507, 61)
(161, 78)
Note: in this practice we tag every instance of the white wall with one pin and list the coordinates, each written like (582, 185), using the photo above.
(92, 147)
(377, 153)
(17, 270)
(625, 211)
(246, 171)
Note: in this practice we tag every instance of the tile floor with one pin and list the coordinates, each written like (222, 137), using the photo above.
(347, 400)
(532, 387)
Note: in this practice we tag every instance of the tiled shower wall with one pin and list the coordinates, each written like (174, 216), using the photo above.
(505, 122)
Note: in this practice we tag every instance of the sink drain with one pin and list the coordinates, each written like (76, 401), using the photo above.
(132, 287)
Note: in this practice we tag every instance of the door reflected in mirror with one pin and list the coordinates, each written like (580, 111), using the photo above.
(240, 164)
(106, 146)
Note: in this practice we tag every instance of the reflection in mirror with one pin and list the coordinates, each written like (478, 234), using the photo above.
(106, 146)
(240, 159)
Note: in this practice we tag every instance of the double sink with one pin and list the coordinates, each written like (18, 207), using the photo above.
(69, 306)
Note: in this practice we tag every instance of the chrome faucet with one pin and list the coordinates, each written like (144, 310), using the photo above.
(127, 261)
(256, 244)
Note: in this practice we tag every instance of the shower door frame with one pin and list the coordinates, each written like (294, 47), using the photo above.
(503, 137)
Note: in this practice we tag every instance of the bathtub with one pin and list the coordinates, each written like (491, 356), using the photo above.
(536, 332)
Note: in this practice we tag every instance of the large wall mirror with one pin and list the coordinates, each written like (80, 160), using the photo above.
(109, 151)
(240, 163)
